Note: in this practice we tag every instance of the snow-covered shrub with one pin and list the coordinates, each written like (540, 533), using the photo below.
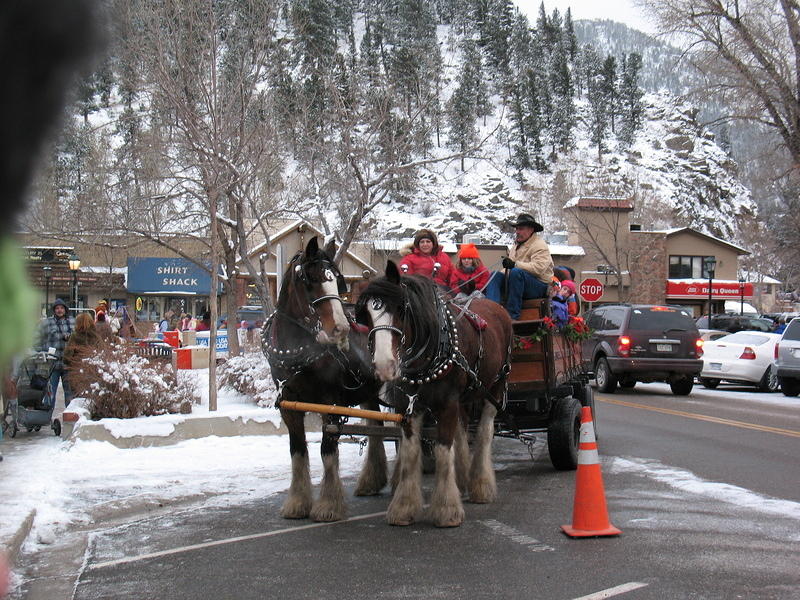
(249, 375)
(121, 384)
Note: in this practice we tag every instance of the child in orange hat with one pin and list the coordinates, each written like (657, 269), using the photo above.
(469, 273)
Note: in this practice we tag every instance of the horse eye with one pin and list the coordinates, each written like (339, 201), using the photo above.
(298, 269)
(377, 304)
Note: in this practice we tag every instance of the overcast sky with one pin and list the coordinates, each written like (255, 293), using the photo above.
(623, 11)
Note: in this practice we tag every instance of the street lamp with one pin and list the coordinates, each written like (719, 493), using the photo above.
(741, 296)
(47, 269)
(74, 265)
(710, 263)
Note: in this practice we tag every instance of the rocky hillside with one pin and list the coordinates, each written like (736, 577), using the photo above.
(676, 172)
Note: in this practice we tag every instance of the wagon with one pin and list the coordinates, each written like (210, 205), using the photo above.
(547, 386)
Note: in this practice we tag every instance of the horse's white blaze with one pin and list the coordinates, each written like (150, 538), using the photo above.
(341, 326)
(386, 364)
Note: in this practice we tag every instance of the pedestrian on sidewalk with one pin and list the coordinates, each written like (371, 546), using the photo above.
(54, 332)
(82, 343)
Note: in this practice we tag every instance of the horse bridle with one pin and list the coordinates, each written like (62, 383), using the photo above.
(297, 358)
(446, 345)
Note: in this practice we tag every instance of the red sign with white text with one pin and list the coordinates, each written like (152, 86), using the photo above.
(591, 290)
(698, 289)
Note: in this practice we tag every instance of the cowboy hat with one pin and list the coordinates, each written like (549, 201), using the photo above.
(525, 219)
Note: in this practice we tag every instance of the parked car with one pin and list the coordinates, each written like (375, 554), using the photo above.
(787, 359)
(711, 334)
(734, 323)
(742, 357)
(646, 343)
(253, 315)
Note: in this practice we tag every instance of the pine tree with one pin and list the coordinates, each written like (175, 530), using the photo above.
(533, 120)
(598, 102)
(462, 109)
(630, 95)
(499, 22)
(563, 116)
(609, 87)
(570, 39)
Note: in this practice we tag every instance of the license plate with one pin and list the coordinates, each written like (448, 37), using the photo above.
(715, 366)
(663, 347)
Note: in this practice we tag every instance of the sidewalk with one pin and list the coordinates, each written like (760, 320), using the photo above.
(235, 454)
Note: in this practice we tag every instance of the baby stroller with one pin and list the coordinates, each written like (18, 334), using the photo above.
(35, 401)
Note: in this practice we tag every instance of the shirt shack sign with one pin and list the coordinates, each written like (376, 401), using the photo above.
(167, 276)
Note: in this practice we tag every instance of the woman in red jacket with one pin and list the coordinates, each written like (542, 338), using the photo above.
(426, 257)
(469, 274)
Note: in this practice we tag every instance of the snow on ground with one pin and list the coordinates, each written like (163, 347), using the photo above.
(65, 482)
(688, 482)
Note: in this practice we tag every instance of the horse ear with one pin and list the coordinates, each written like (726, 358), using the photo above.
(312, 248)
(330, 248)
(392, 274)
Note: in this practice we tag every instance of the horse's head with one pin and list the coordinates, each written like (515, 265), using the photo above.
(311, 292)
(381, 307)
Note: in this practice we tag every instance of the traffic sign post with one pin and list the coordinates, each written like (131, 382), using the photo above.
(591, 290)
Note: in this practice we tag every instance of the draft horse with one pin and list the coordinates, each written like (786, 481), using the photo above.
(316, 356)
(444, 363)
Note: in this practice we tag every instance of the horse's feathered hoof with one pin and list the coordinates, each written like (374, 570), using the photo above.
(370, 486)
(403, 513)
(295, 508)
(451, 523)
(326, 512)
(482, 492)
(400, 522)
(450, 516)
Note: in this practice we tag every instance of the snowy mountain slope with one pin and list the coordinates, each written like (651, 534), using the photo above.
(674, 164)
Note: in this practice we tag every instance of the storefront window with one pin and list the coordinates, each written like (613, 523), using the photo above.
(687, 267)
(150, 310)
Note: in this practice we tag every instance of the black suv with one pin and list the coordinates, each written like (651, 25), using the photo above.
(638, 342)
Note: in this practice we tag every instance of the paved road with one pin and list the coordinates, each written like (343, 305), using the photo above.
(704, 488)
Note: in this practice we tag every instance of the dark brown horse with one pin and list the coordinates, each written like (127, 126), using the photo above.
(315, 356)
(443, 363)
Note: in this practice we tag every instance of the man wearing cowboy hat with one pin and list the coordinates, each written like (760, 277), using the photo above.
(529, 267)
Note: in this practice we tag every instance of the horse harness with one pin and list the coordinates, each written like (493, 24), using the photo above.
(297, 359)
(447, 351)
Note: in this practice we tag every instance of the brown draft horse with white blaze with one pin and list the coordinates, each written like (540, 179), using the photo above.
(440, 363)
(315, 356)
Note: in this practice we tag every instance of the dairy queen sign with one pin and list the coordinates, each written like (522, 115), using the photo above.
(698, 290)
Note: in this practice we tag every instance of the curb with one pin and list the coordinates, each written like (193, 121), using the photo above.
(221, 426)
(14, 544)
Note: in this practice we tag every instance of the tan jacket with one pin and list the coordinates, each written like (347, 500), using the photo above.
(534, 257)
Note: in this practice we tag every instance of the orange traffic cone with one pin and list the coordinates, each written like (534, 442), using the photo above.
(589, 514)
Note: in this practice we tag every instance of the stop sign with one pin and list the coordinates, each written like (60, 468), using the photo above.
(591, 289)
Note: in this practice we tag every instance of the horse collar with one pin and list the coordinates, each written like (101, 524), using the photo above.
(447, 351)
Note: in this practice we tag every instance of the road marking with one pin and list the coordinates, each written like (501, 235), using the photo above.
(517, 536)
(233, 540)
(681, 413)
(614, 591)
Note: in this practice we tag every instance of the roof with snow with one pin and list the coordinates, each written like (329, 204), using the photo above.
(296, 225)
(601, 202)
(673, 231)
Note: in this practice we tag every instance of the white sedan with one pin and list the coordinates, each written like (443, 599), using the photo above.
(741, 357)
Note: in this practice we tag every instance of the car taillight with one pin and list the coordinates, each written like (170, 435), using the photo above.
(698, 347)
(776, 351)
(748, 354)
(624, 346)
